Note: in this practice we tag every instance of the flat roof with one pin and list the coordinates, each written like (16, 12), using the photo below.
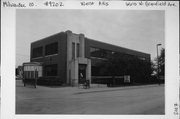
(32, 64)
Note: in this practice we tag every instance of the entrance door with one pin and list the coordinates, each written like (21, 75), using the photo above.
(82, 73)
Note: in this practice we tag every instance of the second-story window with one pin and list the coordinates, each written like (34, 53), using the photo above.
(37, 52)
(51, 49)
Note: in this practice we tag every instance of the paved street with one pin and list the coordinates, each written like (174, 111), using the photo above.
(147, 99)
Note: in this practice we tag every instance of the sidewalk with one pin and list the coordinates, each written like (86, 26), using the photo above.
(104, 88)
(80, 90)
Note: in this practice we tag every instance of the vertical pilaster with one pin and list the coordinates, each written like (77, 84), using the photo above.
(69, 55)
(76, 72)
(81, 39)
(88, 70)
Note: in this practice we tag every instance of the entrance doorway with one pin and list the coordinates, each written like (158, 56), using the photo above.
(82, 73)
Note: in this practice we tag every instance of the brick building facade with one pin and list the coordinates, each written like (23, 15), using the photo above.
(68, 57)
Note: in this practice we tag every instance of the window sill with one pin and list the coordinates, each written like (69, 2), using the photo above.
(51, 55)
(36, 58)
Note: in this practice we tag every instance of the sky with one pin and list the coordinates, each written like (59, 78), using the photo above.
(138, 30)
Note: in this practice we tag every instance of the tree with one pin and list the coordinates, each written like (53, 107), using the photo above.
(161, 60)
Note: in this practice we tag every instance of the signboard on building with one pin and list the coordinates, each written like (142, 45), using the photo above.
(127, 79)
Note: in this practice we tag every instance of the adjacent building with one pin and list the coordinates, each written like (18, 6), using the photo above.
(69, 58)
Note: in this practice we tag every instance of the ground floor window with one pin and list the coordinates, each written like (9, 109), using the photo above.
(51, 70)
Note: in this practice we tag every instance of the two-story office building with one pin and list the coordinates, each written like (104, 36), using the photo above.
(68, 57)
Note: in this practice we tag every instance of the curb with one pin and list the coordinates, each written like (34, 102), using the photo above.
(117, 89)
